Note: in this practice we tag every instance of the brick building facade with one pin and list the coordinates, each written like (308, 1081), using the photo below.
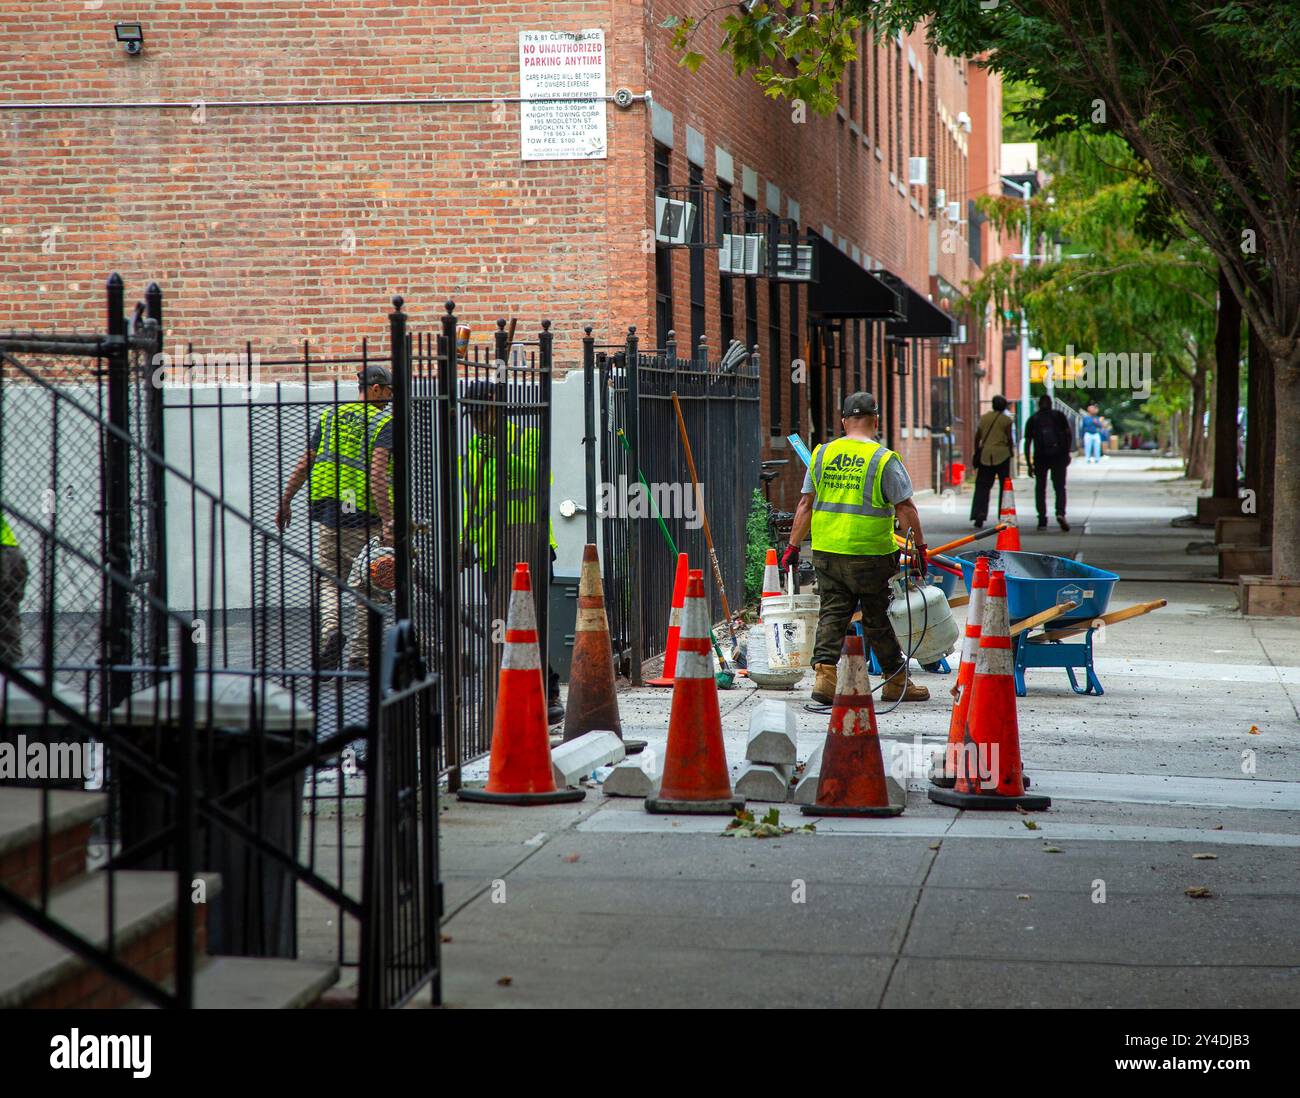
(208, 162)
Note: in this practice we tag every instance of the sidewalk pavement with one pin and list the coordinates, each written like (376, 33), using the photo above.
(602, 904)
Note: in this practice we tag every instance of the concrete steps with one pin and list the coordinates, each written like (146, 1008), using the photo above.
(35, 971)
(71, 816)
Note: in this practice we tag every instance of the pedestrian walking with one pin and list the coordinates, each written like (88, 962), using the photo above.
(13, 585)
(992, 458)
(1049, 445)
(481, 482)
(349, 463)
(854, 489)
(1090, 427)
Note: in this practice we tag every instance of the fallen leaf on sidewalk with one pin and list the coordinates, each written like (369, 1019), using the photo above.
(505, 981)
(1218, 827)
(1051, 850)
(1205, 857)
(445, 938)
(935, 845)
(571, 857)
(1254, 730)
(1023, 896)
(1199, 892)
(1030, 825)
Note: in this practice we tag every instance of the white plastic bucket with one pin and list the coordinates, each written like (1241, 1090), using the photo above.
(789, 630)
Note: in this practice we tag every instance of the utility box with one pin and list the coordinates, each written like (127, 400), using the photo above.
(560, 623)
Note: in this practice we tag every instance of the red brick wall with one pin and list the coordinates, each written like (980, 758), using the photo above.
(283, 223)
(286, 223)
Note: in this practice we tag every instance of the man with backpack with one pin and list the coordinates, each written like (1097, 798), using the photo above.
(1049, 445)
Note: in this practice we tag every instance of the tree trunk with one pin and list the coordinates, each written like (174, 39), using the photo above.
(1227, 387)
(1285, 470)
(1262, 438)
(1195, 426)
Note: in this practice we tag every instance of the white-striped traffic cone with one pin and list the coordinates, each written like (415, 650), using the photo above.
(695, 778)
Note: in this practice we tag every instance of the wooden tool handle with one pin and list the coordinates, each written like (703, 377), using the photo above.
(1041, 617)
(1134, 611)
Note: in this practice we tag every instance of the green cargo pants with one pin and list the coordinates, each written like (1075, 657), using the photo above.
(844, 583)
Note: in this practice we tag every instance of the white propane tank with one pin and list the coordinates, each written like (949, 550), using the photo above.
(934, 631)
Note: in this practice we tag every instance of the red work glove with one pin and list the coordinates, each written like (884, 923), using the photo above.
(921, 560)
(790, 558)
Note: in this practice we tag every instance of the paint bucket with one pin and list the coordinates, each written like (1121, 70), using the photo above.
(789, 629)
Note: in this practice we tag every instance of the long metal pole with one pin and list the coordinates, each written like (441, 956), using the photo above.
(589, 428)
(118, 524)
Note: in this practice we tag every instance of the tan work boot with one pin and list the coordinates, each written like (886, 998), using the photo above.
(893, 690)
(823, 691)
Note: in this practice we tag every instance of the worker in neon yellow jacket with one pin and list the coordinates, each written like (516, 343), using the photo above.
(480, 477)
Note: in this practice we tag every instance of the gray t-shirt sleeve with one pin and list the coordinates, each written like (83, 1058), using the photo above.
(895, 483)
(807, 480)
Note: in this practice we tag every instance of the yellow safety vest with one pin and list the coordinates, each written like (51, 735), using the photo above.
(478, 507)
(341, 470)
(6, 532)
(850, 512)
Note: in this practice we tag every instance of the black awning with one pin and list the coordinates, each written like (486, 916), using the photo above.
(924, 319)
(847, 289)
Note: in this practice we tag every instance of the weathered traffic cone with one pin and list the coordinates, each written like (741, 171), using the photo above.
(988, 767)
(592, 704)
(674, 625)
(1009, 539)
(943, 772)
(771, 577)
(695, 777)
(519, 771)
(852, 780)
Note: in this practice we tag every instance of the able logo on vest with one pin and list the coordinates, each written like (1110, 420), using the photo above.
(845, 463)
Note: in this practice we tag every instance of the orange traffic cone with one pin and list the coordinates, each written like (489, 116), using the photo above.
(695, 776)
(519, 771)
(771, 577)
(1009, 539)
(852, 781)
(988, 764)
(592, 704)
(674, 625)
(943, 772)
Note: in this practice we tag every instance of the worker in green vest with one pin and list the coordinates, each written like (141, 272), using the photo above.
(13, 585)
(480, 477)
(349, 463)
(854, 489)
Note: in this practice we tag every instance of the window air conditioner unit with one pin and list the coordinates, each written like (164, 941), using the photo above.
(963, 120)
(940, 198)
(674, 220)
(954, 212)
(916, 170)
(742, 254)
(794, 262)
(961, 333)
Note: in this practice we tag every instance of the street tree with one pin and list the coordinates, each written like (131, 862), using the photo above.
(1204, 91)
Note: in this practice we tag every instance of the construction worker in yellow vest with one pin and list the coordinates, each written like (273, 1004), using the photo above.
(349, 461)
(480, 480)
(854, 489)
(13, 585)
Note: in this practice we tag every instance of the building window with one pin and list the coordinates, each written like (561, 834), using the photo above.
(663, 260)
(726, 285)
(697, 264)
(774, 350)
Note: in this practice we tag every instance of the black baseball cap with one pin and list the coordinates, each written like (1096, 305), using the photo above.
(375, 375)
(860, 404)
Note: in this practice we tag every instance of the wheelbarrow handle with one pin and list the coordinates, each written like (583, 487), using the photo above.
(963, 540)
(1134, 611)
(1041, 617)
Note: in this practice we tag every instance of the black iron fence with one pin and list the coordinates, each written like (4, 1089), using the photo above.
(168, 618)
(650, 509)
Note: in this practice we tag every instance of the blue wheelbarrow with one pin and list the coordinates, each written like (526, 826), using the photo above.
(1039, 590)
